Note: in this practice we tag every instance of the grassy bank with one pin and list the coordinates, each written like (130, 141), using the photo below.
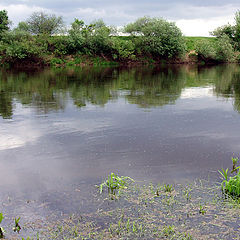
(192, 42)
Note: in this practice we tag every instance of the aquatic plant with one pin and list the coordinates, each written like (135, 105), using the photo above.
(234, 162)
(202, 209)
(17, 227)
(168, 188)
(231, 185)
(115, 183)
(1, 228)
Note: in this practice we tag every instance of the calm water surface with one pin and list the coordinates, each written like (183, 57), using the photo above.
(63, 131)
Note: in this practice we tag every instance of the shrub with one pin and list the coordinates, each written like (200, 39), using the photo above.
(89, 39)
(19, 45)
(123, 49)
(205, 50)
(56, 61)
(232, 31)
(58, 45)
(224, 30)
(224, 49)
(4, 22)
(158, 37)
(99, 39)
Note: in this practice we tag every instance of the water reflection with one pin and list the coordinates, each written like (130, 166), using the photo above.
(147, 87)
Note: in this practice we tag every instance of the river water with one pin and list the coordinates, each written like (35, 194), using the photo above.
(62, 131)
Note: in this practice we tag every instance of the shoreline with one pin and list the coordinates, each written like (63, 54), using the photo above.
(85, 61)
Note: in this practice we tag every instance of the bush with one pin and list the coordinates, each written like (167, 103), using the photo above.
(232, 31)
(123, 49)
(56, 61)
(224, 30)
(4, 22)
(224, 49)
(99, 38)
(205, 50)
(77, 36)
(158, 37)
(93, 39)
(58, 45)
(219, 51)
(19, 45)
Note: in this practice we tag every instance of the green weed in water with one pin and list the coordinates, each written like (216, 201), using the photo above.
(234, 162)
(1, 228)
(17, 227)
(115, 183)
(168, 188)
(231, 185)
(168, 230)
(202, 209)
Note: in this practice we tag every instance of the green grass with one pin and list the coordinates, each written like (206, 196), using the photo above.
(191, 41)
(114, 183)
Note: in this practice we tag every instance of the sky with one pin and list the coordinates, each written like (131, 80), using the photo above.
(193, 17)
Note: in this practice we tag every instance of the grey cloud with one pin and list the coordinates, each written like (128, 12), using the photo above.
(121, 12)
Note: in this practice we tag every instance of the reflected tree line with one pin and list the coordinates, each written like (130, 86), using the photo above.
(50, 90)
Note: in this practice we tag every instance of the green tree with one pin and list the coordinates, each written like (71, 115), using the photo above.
(237, 29)
(89, 39)
(206, 51)
(41, 23)
(22, 26)
(4, 21)
(157, 37)
(232, 31)
(224, 30)
(224, 49)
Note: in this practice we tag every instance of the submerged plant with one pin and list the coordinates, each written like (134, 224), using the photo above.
(1, 228)
(17, 227)
(115, 183)
(202, 209)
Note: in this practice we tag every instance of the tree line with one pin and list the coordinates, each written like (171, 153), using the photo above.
(44, 38)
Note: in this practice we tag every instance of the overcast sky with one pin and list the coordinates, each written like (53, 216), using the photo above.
(194, 17)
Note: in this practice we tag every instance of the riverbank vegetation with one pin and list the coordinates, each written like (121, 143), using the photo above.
(44, 40)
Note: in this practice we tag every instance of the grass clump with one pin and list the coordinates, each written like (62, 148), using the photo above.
(231, 184)
(168, 188)
(114, 183)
